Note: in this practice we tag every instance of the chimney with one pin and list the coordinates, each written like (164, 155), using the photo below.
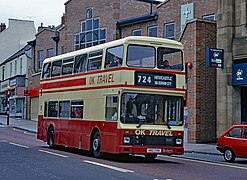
(63, 19)
(2, 27)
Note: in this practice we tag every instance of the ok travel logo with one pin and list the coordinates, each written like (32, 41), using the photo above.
(239, 75)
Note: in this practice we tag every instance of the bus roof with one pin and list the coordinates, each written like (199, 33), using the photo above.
(130, 39)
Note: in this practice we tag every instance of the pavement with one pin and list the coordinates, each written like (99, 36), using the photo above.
(31, 126)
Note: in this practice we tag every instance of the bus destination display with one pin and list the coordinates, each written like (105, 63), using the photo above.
(155, 79)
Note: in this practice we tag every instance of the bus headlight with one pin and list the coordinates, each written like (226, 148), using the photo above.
(126, 140)
(178, 141)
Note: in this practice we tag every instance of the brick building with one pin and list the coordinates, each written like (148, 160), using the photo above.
(87, 23)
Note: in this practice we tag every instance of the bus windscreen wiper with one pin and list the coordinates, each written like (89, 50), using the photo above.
(166, 123)
(141, 122)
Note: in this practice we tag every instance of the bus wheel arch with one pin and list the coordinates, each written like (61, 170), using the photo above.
(50, 136)
(95, 144)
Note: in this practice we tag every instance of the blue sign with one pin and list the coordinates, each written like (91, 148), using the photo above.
(215, 57)
(239, 74)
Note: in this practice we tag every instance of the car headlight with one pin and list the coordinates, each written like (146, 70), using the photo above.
(178, 141)
(126, 140)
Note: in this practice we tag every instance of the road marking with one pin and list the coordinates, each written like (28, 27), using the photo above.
(48, 152)
(211, 163)
(3, 141)
(110, 167)
(29, 133)
(19, 145)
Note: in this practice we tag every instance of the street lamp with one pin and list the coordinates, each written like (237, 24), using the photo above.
(8, 93)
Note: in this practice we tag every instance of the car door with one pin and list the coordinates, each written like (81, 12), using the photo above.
(243, 144)
(234, 140)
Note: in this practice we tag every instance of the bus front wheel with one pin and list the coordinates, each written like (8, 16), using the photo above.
(50, 137)
(96, 145)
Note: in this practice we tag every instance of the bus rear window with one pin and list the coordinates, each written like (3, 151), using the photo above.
(141, 56)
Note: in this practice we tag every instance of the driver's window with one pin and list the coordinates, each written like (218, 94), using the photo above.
(111, 112)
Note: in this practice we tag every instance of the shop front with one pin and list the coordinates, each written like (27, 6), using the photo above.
(239, 80)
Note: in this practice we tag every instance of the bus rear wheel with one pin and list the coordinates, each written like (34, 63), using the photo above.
(50, 137)
(150, 157)
(96, 142)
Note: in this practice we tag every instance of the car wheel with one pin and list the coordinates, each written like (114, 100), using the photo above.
(229, 155)
(50, 137)
(96, 145)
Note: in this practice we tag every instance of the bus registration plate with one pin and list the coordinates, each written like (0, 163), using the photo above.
(153, 150)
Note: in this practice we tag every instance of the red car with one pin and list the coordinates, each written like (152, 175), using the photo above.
(233, 143)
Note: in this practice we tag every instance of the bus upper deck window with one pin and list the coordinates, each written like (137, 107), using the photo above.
(171, 55)
(141, 56)
(46, 70)
(95, 60)
(56, 68)
(114, 57)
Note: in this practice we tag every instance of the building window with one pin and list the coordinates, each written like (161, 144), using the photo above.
(91, 34)
(152, 31)
(62, 50)
(3, 71)
(20, 66)
(11, 69)
(169, 30)
(40, 58)
(209, 17)
(137, 32)
(15, 67)
(50, 52)
(89, 13)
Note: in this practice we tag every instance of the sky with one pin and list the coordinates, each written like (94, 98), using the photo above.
(48, 12)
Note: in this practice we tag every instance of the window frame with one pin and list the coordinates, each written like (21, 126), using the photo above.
(165, 30)
(152, 27)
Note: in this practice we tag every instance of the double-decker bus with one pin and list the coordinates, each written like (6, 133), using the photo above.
(120, 97)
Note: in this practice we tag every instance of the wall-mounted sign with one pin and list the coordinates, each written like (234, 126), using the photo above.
(155, 79)
(239, 74)
(215, 57)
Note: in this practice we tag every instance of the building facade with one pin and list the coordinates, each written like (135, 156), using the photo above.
(231, 80)
(87, 23)
(14, 74)
(15, 37)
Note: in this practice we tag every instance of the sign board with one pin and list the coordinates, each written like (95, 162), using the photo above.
(155, 80)
(215, 57)
(239, 74)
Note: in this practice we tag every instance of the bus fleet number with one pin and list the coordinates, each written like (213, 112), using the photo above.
(145, 79)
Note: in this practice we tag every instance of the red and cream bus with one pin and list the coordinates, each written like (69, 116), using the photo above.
(116, 97)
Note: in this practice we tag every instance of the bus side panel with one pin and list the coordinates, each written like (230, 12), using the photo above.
(41, 131)
(109, 137)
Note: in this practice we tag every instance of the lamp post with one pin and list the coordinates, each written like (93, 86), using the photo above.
(8, 92)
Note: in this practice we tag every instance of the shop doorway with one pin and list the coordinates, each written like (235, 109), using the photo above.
(244, 105)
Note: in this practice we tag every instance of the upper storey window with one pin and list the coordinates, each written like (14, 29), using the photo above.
(91, 33)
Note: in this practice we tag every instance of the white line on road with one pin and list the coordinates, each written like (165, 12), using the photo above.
(48, 152)
(19, 145)
(28, 133)
(211, 163)
(110, 167)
